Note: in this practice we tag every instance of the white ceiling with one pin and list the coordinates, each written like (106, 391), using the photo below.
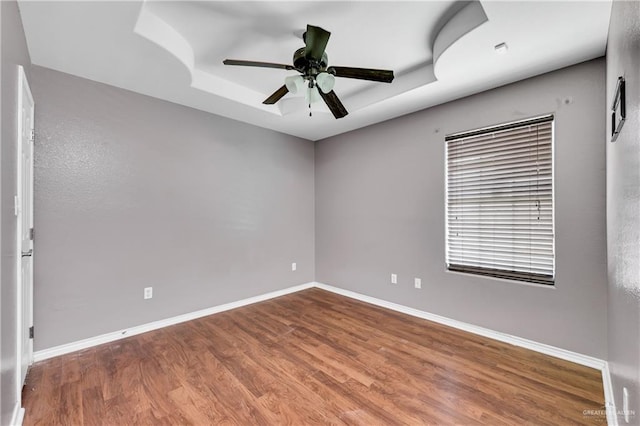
(439, 50)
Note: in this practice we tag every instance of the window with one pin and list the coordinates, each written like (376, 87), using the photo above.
(500, 201)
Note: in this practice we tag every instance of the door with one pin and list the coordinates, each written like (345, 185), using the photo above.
(24, 212)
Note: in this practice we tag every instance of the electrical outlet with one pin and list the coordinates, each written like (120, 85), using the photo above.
(148, 292)
(294, 266)
(394, 279)
(625, 404)
(417, 282)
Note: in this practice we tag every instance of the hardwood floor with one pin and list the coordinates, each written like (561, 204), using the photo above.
(311, 357)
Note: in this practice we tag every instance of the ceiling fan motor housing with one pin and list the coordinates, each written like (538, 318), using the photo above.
(308, 66)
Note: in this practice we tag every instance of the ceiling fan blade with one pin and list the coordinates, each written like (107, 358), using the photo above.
(331, 99)
(257, 64)
(315, 40)
(277, 95)
(384, 76)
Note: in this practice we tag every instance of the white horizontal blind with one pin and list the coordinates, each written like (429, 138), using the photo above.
(500, 201)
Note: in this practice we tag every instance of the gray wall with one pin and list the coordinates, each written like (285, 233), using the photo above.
(131, 192)
(623, 207)
(380, 210)
(13, 52)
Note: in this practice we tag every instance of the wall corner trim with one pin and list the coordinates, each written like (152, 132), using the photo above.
(132, 331)
(18, 415)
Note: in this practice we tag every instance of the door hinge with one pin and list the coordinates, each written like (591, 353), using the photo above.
(33, 135)
(31, 332)
(32, 234)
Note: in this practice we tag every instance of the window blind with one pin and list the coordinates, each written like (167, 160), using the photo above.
(500, 201)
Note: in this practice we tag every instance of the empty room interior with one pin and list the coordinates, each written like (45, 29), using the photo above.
(312, 212)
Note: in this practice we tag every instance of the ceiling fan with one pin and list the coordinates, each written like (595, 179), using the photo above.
(318, 79)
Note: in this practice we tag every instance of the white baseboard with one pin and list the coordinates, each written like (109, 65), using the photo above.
(18, 415)
(564, 354)
(121, 334)
(609, 400)
(503, 337)
(492, 334)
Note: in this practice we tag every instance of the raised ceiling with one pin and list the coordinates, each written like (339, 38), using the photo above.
(440, 51)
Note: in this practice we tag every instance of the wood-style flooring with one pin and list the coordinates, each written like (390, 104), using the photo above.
(312, 357)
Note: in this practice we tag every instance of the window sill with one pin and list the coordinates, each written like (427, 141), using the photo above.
(503, 280)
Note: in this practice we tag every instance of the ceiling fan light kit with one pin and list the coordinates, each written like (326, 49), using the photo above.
(312, 96)
(325, 81)
(294, 83)
(319, 80)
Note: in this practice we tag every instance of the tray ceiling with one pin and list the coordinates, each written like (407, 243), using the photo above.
(440, 51)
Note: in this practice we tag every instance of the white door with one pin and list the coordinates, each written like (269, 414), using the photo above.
(24, 212)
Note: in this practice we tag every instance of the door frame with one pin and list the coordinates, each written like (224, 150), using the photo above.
(23, 321)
